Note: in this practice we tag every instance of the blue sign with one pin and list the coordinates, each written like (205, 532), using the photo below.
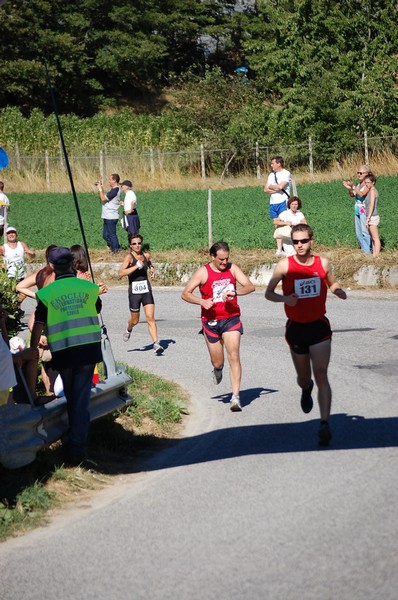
(3, 159)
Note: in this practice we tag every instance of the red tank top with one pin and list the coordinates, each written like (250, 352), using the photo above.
(309, 283)
(217, 283)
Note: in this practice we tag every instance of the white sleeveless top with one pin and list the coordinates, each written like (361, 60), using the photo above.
(14, 259)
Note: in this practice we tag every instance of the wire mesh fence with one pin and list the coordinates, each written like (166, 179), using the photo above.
(250, 160)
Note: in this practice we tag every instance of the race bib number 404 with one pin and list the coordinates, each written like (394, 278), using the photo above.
(139, 287)
(307, 288)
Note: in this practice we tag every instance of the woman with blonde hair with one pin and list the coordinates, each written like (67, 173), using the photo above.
(359, 192)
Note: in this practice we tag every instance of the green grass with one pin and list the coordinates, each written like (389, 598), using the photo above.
(178, 219)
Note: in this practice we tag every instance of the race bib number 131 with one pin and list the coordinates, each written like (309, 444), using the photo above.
(307, 288)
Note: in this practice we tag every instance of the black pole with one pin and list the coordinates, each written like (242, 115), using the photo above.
(65, 153)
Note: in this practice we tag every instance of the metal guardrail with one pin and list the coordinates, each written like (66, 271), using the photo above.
(26, 429)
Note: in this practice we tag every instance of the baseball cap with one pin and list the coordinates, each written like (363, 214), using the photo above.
(10, 229)
(60, 256)
(127, 182)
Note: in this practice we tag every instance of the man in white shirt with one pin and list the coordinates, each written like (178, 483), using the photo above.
(131, 220)
(278, 185)
(4, 203)
(110, 212)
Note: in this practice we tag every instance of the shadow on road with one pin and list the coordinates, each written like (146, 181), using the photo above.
(246, 396)
(350, 432)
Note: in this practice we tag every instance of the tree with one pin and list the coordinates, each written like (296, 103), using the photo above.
(328, 67)
(99, 52)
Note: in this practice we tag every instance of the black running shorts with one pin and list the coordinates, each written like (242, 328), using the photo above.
(300, 336)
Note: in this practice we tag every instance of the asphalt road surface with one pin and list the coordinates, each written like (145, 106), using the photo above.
(246, 505)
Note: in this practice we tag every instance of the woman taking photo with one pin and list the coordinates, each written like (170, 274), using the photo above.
(135, 266)
(359, 192)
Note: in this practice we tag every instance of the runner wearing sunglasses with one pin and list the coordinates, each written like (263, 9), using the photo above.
(305, 278)
(136, 265)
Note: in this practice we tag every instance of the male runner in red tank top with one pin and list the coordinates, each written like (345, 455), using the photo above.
(221, 313)
(305, 278)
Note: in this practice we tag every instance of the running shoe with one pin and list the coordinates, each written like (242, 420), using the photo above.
(306, 399)
(217, 375)
(126, 335)
(324, 434)
(280, 253)
(235, 403)
(157, 348)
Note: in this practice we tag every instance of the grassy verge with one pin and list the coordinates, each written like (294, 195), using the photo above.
(117, 444)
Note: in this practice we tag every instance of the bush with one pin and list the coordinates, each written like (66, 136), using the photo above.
(10, 302)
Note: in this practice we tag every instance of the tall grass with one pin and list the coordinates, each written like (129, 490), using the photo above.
(172, 171)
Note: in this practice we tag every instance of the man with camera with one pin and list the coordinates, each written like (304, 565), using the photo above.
(110, 211)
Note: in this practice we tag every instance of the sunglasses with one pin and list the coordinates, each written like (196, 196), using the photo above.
(136, 244)
(304, 241)
(361, 172)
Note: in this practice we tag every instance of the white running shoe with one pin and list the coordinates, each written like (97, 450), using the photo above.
(126, 335)
(235, 403)
(279, 254)
(157, 348)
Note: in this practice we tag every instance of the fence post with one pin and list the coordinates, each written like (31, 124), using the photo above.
(258, 170)
(151, 162)
(365, 141)
(202, 162)
(311, 161)
(160, 160)
(61, 157)
(209, 226)
(47, 164)
(17, 156)
(101, 165)
(105, 157)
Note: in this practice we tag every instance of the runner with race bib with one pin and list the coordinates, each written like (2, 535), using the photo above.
(136, 265)
(305, 279)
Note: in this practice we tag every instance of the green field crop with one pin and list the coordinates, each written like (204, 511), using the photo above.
(178, 219)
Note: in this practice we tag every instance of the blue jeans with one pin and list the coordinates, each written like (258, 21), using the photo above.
(77, 387)
(109, 234)
(362, 233)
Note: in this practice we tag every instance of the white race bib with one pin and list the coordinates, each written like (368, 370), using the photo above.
(220, 289)
(307, 288)
(139, 287)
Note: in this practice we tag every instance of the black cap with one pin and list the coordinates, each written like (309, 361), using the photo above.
(127, 182)
(60, 256)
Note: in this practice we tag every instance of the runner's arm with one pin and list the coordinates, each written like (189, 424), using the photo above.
(246, 286)
(197, 279)
(127, 268)
(28, 250)
(277, 276)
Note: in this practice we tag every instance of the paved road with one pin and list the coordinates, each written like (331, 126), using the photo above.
(246, 506)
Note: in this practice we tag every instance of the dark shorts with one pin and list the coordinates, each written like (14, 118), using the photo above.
(215, 329)
(135, 300)
(300, 336)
